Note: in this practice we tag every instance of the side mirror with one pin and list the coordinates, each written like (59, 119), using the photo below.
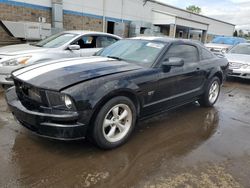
(174, 62)
(74, 47)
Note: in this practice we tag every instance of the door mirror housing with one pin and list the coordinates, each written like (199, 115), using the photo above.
(74, 47)
(174, 62)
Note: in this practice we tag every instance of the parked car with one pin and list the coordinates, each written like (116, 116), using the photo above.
(239, 61)
(223, 44)
(102, 97)
(67, 44)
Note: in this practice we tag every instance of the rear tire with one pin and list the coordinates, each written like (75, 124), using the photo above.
(211, 95)
(114, 123)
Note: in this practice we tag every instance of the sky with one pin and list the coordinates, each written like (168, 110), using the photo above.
(232, 11)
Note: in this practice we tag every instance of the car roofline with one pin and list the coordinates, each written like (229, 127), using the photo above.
(86, 32)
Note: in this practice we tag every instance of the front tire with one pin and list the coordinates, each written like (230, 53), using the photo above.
(211, 95)
(114, 123)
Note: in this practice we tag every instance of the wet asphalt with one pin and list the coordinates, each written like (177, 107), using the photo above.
(188, 147)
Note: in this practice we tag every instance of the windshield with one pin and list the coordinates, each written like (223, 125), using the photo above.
(228, 40)
(55, 41)
(141, 52)
(240, 49)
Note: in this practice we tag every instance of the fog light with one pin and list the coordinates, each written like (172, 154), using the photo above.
(224, 50)
(68, 102)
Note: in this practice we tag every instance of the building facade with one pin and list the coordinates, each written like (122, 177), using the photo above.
(121, 17)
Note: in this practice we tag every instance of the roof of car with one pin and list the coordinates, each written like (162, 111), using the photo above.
(84, 32)
(244, 44)
(165, 39)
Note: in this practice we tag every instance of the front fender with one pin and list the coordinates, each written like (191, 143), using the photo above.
(215, 71)
(88, 95)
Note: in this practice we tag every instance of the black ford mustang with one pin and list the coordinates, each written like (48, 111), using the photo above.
(102, 96)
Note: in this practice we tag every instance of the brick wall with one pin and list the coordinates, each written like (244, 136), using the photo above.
(70, 21)
(17, 13)
(81, 23)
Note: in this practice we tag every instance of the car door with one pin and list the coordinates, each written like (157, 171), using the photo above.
(91, 44)
(104, 41)
(192, 79)
(88, 45)
(179, 84)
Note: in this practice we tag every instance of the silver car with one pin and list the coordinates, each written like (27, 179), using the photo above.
(223, 44)
(239, 61)
(67, 44)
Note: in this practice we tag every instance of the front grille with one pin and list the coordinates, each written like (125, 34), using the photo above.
(235, 65)
(32, 98)
(215, 49)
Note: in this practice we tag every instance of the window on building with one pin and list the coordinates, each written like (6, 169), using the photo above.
(110, 27)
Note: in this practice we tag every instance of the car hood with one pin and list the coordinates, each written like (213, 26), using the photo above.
(20, 49)
(238, 58)
(220, 46)
(57, 75)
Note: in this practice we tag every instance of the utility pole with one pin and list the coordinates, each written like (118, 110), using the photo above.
(103, 17)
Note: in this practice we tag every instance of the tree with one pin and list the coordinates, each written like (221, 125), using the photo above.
(241, 33)
(235, 33)
(194, 9)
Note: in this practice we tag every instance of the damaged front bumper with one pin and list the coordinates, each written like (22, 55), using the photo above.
(60, 126)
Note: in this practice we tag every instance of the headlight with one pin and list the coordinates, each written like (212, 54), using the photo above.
(224, 50)
(245, 66)
(239, 65)
(59, 101)
(16, 61)
(68, 102)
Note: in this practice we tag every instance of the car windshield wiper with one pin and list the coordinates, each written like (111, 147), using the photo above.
(114, 57)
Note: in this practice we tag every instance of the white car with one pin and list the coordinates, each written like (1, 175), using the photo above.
(239, 61)
(68, 44)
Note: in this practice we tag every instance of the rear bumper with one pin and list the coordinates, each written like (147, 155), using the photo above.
(239, 73)
(62, 126)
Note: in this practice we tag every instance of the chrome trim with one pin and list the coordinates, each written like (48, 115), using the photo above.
(61, 125)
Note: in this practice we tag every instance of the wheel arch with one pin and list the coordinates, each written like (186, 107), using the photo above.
(218, 73)
(121, 92)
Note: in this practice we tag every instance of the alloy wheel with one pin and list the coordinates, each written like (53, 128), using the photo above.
(214, 92)
(117, 123)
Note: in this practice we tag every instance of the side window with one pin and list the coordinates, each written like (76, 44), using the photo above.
(187, 52)
(206, 54)
(86, 42)
(102, 41)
